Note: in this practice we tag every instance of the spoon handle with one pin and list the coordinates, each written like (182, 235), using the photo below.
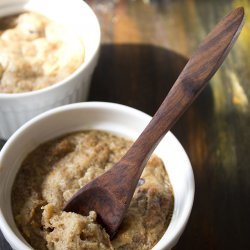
(110, 194)
(197, 72)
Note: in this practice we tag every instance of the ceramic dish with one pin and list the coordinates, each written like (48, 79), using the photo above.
(114, 118)
(16, 109)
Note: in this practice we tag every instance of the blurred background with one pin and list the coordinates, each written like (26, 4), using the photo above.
(145, 45)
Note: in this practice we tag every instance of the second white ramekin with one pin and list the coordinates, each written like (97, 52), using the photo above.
(16, 109)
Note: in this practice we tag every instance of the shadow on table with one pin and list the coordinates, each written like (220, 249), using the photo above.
(135, 75)
(140, 76)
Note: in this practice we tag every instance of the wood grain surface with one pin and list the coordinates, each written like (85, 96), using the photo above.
(145, 45)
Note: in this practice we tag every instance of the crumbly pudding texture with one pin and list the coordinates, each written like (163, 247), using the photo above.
(36, 52)
(54, 171)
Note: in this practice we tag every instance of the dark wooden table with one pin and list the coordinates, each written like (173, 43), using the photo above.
(145, 44)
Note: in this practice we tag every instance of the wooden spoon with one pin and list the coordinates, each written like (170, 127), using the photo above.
(110, 194)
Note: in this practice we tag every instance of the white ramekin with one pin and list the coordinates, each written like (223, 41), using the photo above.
(115, 118)
(16, 109)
